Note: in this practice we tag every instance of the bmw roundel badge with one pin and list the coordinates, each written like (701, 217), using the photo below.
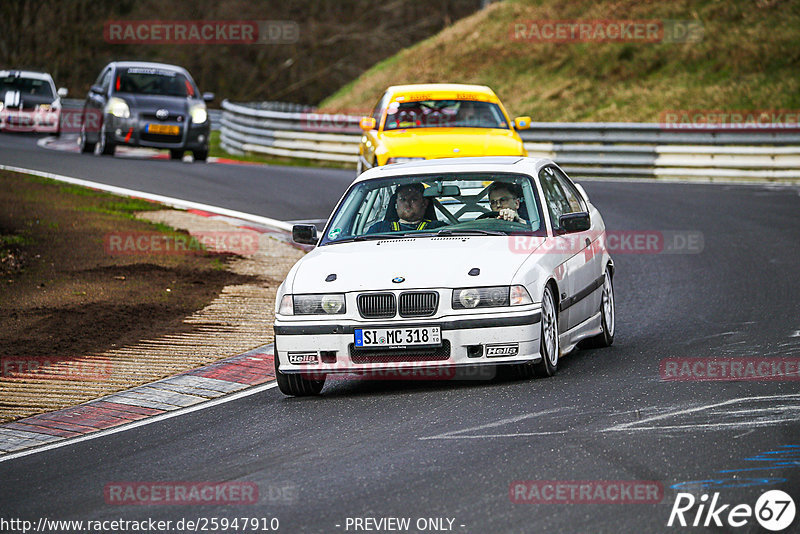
(398, 279)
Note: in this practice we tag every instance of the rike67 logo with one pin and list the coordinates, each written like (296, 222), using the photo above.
(774, 510)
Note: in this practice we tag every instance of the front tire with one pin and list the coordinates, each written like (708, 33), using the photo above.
(200, 155)
(549, 347)
(104, 146)
(295, 385)
(608, 317)
(85, 146)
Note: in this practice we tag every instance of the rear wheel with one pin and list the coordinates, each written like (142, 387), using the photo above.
(295, 384)
(176, 154)
(549, 346)
(607, 314)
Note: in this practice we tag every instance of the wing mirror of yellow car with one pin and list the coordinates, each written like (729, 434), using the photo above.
(367, 123)
(522, 123)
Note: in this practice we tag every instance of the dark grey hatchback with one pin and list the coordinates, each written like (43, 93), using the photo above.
(137, 103)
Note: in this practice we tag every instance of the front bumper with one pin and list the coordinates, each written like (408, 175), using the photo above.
(465, 339)
(131, 132)
(13, 120)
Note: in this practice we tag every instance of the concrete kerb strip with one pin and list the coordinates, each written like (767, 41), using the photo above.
(245, 374)
(241, 375)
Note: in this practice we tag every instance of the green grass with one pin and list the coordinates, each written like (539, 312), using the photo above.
(13, 240)
(748, 59)
(105, 203)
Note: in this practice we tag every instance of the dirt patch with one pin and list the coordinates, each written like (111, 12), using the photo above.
(80, 319)
(66, 295)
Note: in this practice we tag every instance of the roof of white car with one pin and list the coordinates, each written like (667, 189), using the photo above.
(446, 165)
(26, 74)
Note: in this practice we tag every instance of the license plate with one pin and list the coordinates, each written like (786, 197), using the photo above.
(399, 337)
(163, 129)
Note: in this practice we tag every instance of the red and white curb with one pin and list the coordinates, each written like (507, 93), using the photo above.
(189, 389)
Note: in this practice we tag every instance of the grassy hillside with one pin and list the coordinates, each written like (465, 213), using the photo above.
(748, 59)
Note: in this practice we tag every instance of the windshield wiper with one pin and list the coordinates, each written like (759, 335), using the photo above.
(468, 231)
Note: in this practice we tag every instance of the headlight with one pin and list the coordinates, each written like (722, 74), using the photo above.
(327, 304)
(43, 107)
(199, 114)
(1, 106)
(490, 297)
(402, 160)
(118, 108)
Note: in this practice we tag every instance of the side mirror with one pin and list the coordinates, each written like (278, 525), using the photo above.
(209, 97)
(367, 123)
(522, 123)
(305, 234)
(575, 222)
(97, 89)
(62, 92)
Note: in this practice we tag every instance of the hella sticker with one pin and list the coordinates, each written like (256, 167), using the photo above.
(303, 358)
(505, 349)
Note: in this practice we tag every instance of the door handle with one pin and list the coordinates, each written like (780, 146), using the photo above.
(588, 242)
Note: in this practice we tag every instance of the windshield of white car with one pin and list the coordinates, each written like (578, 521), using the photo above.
(444, 114)
(149, 81)
(26, 86)
(425, 206)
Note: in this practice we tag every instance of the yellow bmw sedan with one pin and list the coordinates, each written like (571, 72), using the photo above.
(428, 121)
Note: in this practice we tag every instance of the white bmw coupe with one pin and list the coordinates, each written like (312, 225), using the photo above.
(442, 264)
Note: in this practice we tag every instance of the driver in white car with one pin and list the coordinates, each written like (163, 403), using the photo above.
(414, 212)
(504, 199)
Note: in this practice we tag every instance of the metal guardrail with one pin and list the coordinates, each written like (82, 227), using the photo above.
(582, 149)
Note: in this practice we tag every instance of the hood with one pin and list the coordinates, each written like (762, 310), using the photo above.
(441, 142)
(423, 262)
(16, 99)
(177, 105)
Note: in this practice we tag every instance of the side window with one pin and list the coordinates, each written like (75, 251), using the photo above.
(105, 82)
(576, 203)
(554, 197)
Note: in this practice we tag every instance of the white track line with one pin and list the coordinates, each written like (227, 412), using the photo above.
(169, 201)
(142, 422)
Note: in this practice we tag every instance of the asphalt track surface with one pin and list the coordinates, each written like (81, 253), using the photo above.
(451, 449)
